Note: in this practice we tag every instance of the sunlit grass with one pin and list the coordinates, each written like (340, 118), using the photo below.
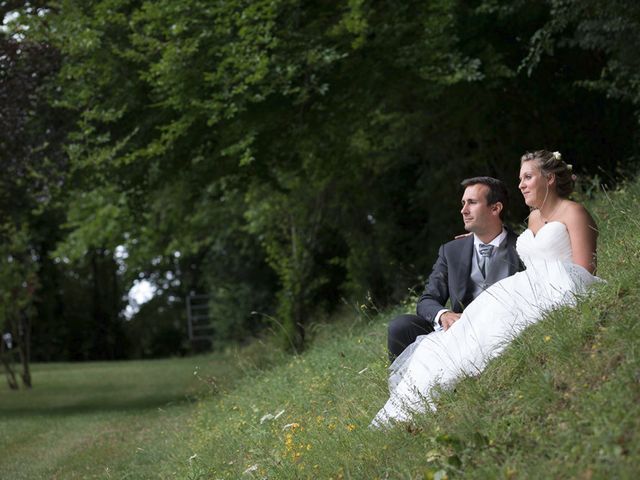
(112, 419)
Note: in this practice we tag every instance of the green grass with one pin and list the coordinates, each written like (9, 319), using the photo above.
(562, 402)
(111, 420)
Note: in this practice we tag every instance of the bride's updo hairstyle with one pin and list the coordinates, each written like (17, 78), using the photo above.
(551, 162)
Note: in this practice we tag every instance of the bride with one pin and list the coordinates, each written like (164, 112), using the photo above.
(559, 251)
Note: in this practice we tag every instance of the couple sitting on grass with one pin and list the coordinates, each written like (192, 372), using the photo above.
(503, 282)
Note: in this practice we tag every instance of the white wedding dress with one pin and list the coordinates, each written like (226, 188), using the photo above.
(487, 325)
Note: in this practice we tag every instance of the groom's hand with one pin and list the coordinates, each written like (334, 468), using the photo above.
(449, 318)
(462, 235)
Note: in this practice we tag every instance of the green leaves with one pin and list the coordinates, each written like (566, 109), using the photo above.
(323, 139)
(603, 27)
(95, 219)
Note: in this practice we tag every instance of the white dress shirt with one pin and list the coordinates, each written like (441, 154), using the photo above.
(476, 243)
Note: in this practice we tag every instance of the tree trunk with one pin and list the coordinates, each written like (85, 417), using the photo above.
(6, 361)
(24, 347)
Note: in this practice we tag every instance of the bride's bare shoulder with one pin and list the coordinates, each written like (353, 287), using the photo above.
(575, 213)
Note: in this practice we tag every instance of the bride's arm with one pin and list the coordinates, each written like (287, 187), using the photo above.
(584, 235)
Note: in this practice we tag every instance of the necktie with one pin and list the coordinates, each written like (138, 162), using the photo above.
(485, 252)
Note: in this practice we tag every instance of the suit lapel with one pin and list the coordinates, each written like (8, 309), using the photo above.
(463, 270)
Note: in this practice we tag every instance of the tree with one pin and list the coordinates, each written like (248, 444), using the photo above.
(608, 29)
(322, 140)
(33, 168)
(18, 282)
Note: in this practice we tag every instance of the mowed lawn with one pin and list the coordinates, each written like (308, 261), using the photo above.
(106, 419)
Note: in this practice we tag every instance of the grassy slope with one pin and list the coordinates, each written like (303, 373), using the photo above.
(563, 402)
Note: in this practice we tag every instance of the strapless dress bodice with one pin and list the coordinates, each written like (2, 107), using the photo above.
(552, 242)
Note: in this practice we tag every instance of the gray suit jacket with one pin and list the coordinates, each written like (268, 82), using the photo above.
(451, 276)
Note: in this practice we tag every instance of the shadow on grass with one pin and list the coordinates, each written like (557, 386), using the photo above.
(96, 406)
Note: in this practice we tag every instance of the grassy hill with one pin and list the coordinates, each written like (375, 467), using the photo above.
(563, 402)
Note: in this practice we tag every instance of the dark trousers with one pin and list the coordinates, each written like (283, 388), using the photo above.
(403, 331)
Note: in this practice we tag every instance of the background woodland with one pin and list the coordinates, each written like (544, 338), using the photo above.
(284, 157)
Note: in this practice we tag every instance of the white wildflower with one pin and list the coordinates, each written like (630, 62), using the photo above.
(266, 417)
(270, 416)
(251, 469)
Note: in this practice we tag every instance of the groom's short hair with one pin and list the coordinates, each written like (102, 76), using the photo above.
(497, 191)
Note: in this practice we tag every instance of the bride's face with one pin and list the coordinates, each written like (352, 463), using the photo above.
(533, 184)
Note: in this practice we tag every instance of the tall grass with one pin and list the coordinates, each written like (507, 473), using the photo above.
(562, 402)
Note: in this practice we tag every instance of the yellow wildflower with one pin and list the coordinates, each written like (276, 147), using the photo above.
(288, 441)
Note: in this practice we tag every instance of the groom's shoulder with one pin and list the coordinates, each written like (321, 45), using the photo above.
(512, 236)
(456, 243)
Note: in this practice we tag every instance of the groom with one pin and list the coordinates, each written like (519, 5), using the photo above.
(465, 266)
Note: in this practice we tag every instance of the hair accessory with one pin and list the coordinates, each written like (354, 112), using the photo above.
(557, 155)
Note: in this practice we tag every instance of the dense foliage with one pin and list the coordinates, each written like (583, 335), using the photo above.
(282, 156)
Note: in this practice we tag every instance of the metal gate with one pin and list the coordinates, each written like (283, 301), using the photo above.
(199, 323)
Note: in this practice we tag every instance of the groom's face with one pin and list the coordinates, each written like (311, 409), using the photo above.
(477, 215)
